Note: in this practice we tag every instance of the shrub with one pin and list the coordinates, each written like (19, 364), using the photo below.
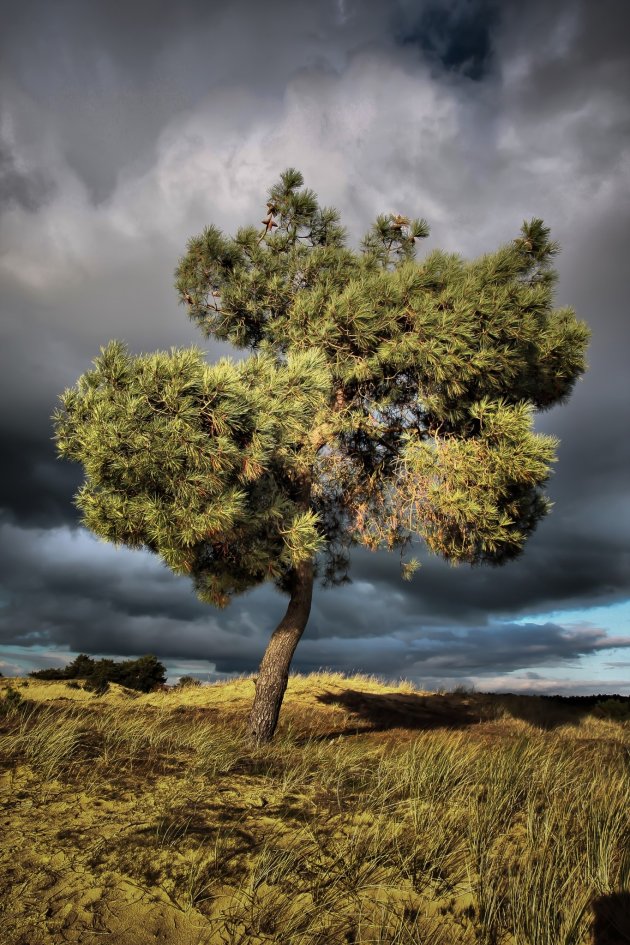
(613, 709)
(187, 682)
(81, 667)
(141, 674)
(48, 674)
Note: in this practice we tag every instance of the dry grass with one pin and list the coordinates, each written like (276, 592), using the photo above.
(379, 814)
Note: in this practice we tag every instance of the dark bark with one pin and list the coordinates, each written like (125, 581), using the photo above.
(273, 674)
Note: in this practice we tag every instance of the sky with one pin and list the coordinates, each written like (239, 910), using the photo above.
(127, 127)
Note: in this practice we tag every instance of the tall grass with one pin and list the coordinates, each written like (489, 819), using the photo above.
(502, 833)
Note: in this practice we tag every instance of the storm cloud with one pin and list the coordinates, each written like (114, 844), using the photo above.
(142, 123)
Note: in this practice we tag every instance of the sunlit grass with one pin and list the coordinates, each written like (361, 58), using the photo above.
(468, 819)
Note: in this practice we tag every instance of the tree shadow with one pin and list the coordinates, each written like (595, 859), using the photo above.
(381, 712)
(388, 711)
(611, 925)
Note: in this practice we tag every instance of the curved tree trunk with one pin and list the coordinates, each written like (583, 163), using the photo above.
(273, 674)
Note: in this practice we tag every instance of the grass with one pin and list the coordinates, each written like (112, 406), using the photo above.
(379, 814)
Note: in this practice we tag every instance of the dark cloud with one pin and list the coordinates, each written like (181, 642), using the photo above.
(69, 591)
(142, 123)
(456, 35)
(84, 594)
(35, 485)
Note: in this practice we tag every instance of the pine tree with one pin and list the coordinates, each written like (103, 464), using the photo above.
(385, 400)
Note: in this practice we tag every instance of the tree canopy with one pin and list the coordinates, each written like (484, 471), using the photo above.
(403, 391)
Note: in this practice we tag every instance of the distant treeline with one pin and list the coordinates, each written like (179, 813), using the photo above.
(587, 702)
(142, 674)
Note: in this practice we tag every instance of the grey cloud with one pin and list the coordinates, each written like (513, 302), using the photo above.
(90, 597)
(565, 53)
(167, 140)
(115, 75)
(569, 562)
(479, 653)
(21, 187)
(509, 647)
(564, 75)
(83, 584)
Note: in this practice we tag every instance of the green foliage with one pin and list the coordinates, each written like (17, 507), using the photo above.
(188, 682)
(475, 499)
(141, 674)
(200, 464)
(384, 398)
(615, 709)
(81, 667)
(48, 674)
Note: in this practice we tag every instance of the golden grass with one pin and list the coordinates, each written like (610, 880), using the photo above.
(379, 814)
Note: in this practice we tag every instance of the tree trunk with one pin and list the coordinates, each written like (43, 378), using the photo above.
(273, 674)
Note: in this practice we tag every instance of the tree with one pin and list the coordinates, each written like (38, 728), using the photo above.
(384, 400)
(80, 667)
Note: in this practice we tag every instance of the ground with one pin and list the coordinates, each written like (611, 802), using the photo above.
(379, 813)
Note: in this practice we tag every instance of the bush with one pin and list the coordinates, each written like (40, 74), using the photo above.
(614, 709)
(141, 674)
(187, 682)
(48, 674)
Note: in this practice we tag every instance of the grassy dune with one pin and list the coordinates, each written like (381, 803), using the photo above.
(379, 814)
